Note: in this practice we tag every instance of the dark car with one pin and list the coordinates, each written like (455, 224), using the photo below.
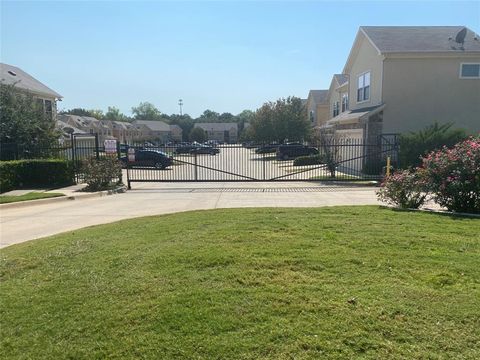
(185, 148)
(204, 149)
(267, 149)
(292, 151)
(149, 158)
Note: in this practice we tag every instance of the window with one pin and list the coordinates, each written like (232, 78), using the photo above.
(48, 107)
(470, 71)
(312, 116)
(344, 102)
(363, 92)
(336, 108)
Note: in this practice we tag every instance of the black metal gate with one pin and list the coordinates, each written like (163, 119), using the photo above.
(336, 159)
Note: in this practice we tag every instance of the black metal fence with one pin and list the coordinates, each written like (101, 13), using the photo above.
(76, 149)
(332, 159)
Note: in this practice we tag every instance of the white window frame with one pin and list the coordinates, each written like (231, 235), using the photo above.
(369, 90)
(468, 77)
(344, 96)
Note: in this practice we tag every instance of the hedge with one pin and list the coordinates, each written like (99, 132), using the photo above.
(19, 174)
(309, 160)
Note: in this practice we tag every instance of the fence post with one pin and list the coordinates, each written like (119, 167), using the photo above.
(118, 158)
(96, 146)
(129, 187)
(72, 144)
(196, 168)
(264, 166)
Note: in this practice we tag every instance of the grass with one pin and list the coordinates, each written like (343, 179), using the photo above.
(326, 283)
(4, 199)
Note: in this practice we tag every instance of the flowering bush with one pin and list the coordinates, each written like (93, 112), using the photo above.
(404, 189)
(102, 173)
(453, 176)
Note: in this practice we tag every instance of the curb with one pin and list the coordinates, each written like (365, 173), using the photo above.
(21, 204)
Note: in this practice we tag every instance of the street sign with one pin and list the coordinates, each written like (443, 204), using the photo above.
(110, 146)
(131, 154)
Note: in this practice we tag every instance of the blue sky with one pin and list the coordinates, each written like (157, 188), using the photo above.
(221, 55)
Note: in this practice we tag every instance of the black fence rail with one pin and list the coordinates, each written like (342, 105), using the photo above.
(324, 160)
(77, 149)
(332, 159)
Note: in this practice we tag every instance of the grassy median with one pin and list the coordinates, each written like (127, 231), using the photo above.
(340, 282)
(34, 195)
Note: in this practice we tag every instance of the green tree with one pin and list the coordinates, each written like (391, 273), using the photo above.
(114, 114)
(197, 134)
(24, 122)
(280, 121)
(417, 144)
(146, 111)
(96, 113)
(184, 121)
(208, 116)
(262, 126)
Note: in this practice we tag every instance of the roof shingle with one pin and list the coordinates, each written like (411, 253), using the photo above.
(390, 39)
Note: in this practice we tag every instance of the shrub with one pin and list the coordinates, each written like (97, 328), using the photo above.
(34, 173)
(102, 173)
(417, 144)
(404, 189)
(453, 176)
(309, 160)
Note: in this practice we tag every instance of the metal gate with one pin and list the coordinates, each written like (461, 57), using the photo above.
(337, 159)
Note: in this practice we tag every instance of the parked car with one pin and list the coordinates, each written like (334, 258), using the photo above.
(267, 149)
(149, 158)
(292, 151)
(184, 148)
(204, 149)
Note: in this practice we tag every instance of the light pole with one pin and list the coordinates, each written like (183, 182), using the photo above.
(180, 103)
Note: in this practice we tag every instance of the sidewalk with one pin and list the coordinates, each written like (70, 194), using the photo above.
(40, 220)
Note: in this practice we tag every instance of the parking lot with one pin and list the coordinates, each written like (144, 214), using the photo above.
(233, 163)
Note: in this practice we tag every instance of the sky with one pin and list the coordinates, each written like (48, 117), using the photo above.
(225, 56)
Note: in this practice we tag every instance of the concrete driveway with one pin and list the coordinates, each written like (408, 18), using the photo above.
(36, 221)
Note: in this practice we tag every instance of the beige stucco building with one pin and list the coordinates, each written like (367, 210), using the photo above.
(224, 132)
(403, 78)
(317, 107)
(46, 97)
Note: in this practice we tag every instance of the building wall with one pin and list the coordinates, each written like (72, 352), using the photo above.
(418, 92)
(367, 59)
(322, 114)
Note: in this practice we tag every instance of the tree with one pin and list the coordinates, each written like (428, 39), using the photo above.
(146, 111)
(262, 127)
(114, 114)
(184, 121)
(417, 144)
(280, 121)
(24, 122)
(96, 113)
(208, 116)
(198, 134)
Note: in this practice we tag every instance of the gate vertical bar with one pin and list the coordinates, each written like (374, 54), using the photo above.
(96, 146)
(74, 160)
(119, 155)
(196, 167)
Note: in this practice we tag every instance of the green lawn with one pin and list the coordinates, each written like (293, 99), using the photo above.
(4, 199)
(325, 283)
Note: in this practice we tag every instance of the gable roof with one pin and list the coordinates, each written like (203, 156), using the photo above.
(318, 96)
(391, 39)
(217, 126)
(12, 75)
(341, 79)
(154, 125)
